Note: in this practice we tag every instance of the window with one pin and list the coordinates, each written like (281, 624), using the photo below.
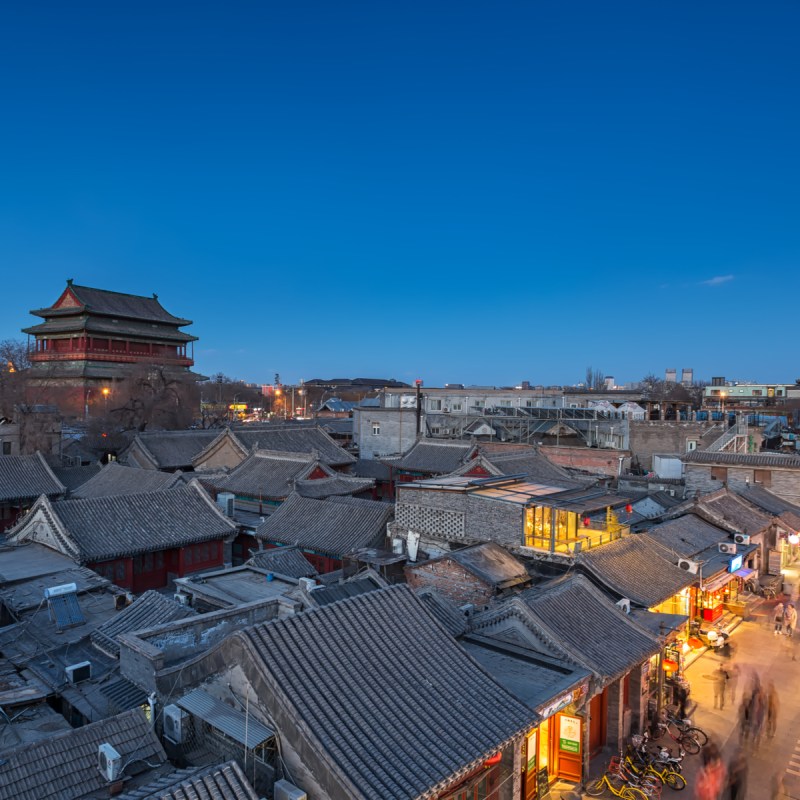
(505, 404)
(762, 476)
(757, 393)
(376, 429)
(6, 448)
(457, 406)
(719, 473)
(691, 445)
(435, 405)
(480, 403)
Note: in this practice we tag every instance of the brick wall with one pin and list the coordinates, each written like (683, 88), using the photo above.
(784, 482)
(451, 580)
(592, 459)
(657, 436)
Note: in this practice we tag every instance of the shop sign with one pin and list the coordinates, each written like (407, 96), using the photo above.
(736, 563)
(560, 702)
(569, 736)
(543, 781)
(531, 752)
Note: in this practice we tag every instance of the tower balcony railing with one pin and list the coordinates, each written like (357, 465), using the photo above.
(49, 356)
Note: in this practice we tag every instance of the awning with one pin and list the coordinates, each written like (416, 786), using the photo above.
(744, 572)
(245, 729)
(718, 582)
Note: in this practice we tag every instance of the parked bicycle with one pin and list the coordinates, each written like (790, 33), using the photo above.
(660, 765)
(688, 736)
(617, 786)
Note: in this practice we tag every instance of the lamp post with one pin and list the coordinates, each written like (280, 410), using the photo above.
(722, 403)
(106, 393)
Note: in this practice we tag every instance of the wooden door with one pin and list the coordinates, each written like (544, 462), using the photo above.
(597, 723)
(567, 739)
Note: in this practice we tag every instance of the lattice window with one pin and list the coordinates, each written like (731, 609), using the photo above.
(436, 521)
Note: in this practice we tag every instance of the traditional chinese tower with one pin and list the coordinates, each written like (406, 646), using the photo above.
(93, 338)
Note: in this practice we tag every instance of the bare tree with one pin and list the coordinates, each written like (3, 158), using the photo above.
(595, 379)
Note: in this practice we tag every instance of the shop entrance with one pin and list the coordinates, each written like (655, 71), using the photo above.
(553, 750)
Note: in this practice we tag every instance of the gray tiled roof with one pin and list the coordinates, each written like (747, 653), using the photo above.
(582, 619)
(338, 525)
(767, 501)
(112, 527)
(335, 485)
(685, 536)
(266, 473)
(220, 782)
(742, 459)
(73, 477)
(287, 561)
(404, 738)
(439, 607)
(732, 510)
(148, 610)
(117, 304)
(64, 766)
(492, 563)
(369, 468)
(433, 456)
(531, 462)
(115, 480)
(23, 477)
(334, 592)
(295, 439)
(173, 449)
(633, 567)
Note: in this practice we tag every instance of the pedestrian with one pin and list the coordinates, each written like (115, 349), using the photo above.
(778, 617)
(720, 687)
(737, 775)
(682, 696)
(758, 712)
(744, 717)
(772, 705)
(711, 777)
(790, 618)
(733, 680)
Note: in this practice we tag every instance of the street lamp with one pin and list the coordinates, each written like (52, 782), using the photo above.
(722, 399)
(106, 393)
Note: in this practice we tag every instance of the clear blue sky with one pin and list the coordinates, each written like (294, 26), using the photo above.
(476, 192)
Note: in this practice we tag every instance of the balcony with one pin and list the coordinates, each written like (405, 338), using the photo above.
(49, 356)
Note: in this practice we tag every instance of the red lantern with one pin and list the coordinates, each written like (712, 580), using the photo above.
(629, 508)
(492, 760)
(586, 522)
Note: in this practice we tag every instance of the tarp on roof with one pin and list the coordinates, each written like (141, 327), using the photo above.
(243, 728)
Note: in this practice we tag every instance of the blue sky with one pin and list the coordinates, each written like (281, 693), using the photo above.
(465, 192)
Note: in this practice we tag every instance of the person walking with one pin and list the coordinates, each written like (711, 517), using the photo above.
(720, 687)
(773, 705)
(737, 775)
(778, 617)
(733, 680)
(712, 776)
(790, 618)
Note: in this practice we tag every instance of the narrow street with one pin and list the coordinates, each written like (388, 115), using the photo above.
(772, 658)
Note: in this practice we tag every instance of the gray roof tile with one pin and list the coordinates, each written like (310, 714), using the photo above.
(73, 477)
(64, 766)
(335, 485)
(295, 439)
(220, 782)
(269, 474)
(24, 477)
(767, 501)
(115, 480)
(685, 536)
(433, 457)
(787, 461)
(172, 449)
(338, 525)
(287, 561)
(492, 563)
(404, 738)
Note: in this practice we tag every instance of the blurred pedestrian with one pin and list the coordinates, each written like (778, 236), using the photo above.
(733, 680)
(737, 775)
(711, 778)
(777, 615)
(772, 707)
(720, 686)
(744, 717)
(758, 711)
(790, 618)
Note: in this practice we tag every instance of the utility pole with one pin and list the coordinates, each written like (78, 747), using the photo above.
(418, 383)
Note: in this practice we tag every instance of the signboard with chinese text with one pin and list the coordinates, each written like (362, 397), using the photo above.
(569, 734)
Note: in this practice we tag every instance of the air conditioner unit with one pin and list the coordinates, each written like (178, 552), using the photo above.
(625, 605)
(689, 565)
(727, 547)
(283, 790)
(81, 671)
(176, 721)
(741, 538)
(183, 599)
(109, 762)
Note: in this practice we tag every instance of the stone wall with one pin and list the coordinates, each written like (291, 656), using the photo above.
(784, 482)
(398, 431)
(601, 461)
(451, 580)
(657, 436)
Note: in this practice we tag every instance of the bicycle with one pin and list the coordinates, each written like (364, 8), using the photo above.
(688, 736)
(621, 789)
(654, 767)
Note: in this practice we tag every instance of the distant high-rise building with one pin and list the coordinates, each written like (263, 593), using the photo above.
(609, 382)
(718, 381)
(687, 376)
(671, 375)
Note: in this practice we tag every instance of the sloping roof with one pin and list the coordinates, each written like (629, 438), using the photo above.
(295, 439)
(73, 477)
(148, 610)
(369, 468)
(335, 485)
(114, 304)
(492, 563)
(219, 782)
(597, 633)
(784, 460)
(268, 474)
(766, 500)
(337, 525)
(439, 715)
(115, 480)
(23, 477)
(433, 456)
(686, 535)
(64, 766)
(633, 567)
(172, 449)
(733, 511)
(537, 467)
(111, 527)
(333, 592)
(287, 561)
(439, 607)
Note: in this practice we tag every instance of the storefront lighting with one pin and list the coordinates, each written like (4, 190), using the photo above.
(686, 647)
(794, 538)
(669, 665)
(492, 760)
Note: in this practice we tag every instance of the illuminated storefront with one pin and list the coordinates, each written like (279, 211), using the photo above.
(562, 530)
